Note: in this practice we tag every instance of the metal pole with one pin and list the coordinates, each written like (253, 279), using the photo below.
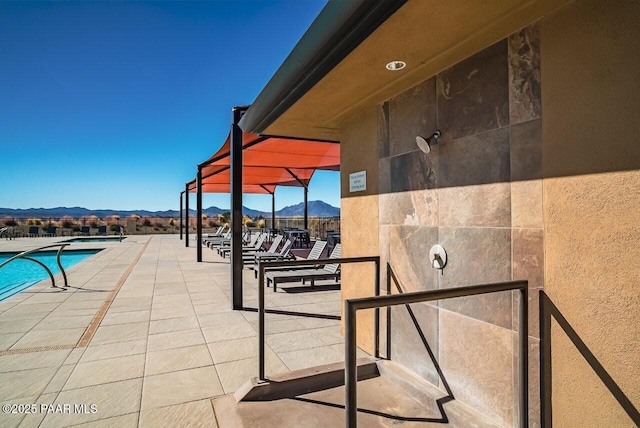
(523, 332)
(199, 215)
(261, 373)
(186, 203)
(236, 208)
(350, 370)
(306, 207)
(376, 317)
(546, 420)
(181, 193)
(273, 210)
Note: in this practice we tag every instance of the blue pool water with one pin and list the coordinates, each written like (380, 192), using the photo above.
(21, 274)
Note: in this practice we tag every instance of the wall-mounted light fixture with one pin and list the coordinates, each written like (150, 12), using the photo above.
(425, 143)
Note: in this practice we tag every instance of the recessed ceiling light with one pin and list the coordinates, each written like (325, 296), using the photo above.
(396, 65)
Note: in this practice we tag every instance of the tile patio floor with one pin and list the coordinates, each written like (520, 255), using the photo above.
(166, 341)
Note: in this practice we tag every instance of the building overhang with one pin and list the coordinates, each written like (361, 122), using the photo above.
(337, 70)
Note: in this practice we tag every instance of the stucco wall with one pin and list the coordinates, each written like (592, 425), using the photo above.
(536, 176)
(591, 157)
(478, 193)
(359, 216)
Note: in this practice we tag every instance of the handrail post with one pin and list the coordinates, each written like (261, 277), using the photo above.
(376, 316)
(523, 358)
(64, 274)
(261, 374)
(351, 370)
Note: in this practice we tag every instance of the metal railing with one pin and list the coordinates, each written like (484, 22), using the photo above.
(351, 306)
(274, 264)
(24, 256)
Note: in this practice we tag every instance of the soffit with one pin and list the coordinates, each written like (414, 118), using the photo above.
(429, 35)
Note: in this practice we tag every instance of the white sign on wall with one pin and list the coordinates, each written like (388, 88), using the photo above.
(358, 181)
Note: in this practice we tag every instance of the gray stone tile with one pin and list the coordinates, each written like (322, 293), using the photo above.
(292, 341)
(171, 360)
(121, 333)
(180, 387)
(524, 75)
(113, 350)
(33, 360)
(223, 333)
(478, 256)
(477, 359)
(412, 113)
(484, 205)
(124, 421)
(106, 371)
(110, 400)
(526, 151)
(231, 350)
(175, 339)
(476, 159)
(473, 95)
(196, 414)
(25, 383)
(36, 338)
(173, 324)
(307, 358)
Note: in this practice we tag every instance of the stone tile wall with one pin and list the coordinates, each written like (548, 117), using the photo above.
(478, 194)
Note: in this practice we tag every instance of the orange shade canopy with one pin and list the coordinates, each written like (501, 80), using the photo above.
(268, 161)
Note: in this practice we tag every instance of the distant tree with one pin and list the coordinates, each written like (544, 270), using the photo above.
(146, 222)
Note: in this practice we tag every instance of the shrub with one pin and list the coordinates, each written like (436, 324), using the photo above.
(34, 222)
(146, 222)
(213, 223)
(10, 222)
(262, 223)
(172, 223)
(67, 223)
(158, 224)
(93, 224)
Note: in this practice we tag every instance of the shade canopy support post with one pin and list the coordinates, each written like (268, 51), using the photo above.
(273, 206)
(199, 214)
(236, 208)
(181, 193)
(306, 197)
(186, 214)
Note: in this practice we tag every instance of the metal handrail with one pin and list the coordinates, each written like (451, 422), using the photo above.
(351, 306)
(274, 264)
(23, 255)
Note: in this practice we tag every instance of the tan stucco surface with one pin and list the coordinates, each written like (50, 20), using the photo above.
(359, 215)
(591, 161)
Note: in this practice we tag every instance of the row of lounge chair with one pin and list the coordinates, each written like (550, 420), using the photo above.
(51, 231)
(253, 255)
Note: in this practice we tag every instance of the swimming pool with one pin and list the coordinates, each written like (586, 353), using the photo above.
(21, 274)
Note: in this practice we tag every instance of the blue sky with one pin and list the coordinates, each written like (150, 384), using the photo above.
(112, 104)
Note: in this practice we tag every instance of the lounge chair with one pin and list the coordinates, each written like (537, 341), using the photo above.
(227, 242)
(215, 234)
(314, 254)
(216, 239)
(255, 247)
(51, 231)
(248, 256)
(102, 230)
(331, 271)
(284, 254)
(34, 232)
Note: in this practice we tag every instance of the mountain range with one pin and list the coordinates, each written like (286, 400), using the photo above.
(316, 209)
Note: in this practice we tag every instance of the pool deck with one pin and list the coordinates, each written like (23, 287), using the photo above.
(147, 336)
